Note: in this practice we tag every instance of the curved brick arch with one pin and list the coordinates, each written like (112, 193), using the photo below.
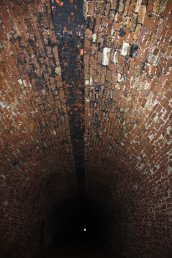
(86, 104)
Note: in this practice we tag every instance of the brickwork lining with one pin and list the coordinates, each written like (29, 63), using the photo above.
(36, 157)
(127, 118)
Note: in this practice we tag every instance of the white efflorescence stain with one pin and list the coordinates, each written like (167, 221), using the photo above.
(106, 56)
(125, 48)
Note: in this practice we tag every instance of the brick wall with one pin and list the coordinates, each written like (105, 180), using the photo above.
(128, 120)
(36, 159)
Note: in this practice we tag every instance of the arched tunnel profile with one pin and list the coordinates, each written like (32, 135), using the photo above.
(86, 128)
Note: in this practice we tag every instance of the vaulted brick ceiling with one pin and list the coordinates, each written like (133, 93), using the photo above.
(86, 103)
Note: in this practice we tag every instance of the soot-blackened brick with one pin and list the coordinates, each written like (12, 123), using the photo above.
(133, 50)
(68, 21)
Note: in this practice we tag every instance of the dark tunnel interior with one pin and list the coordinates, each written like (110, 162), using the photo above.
(80, 229)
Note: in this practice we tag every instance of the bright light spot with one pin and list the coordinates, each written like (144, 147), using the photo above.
(85, 229)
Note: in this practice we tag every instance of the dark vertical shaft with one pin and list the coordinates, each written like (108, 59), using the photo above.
(68, 22)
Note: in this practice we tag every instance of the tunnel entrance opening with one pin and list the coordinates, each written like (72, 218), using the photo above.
(80, 230)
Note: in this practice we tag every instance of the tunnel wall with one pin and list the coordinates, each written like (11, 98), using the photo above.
(128, 121)
(36, 159)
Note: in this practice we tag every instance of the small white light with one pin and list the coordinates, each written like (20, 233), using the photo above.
(85, 229)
